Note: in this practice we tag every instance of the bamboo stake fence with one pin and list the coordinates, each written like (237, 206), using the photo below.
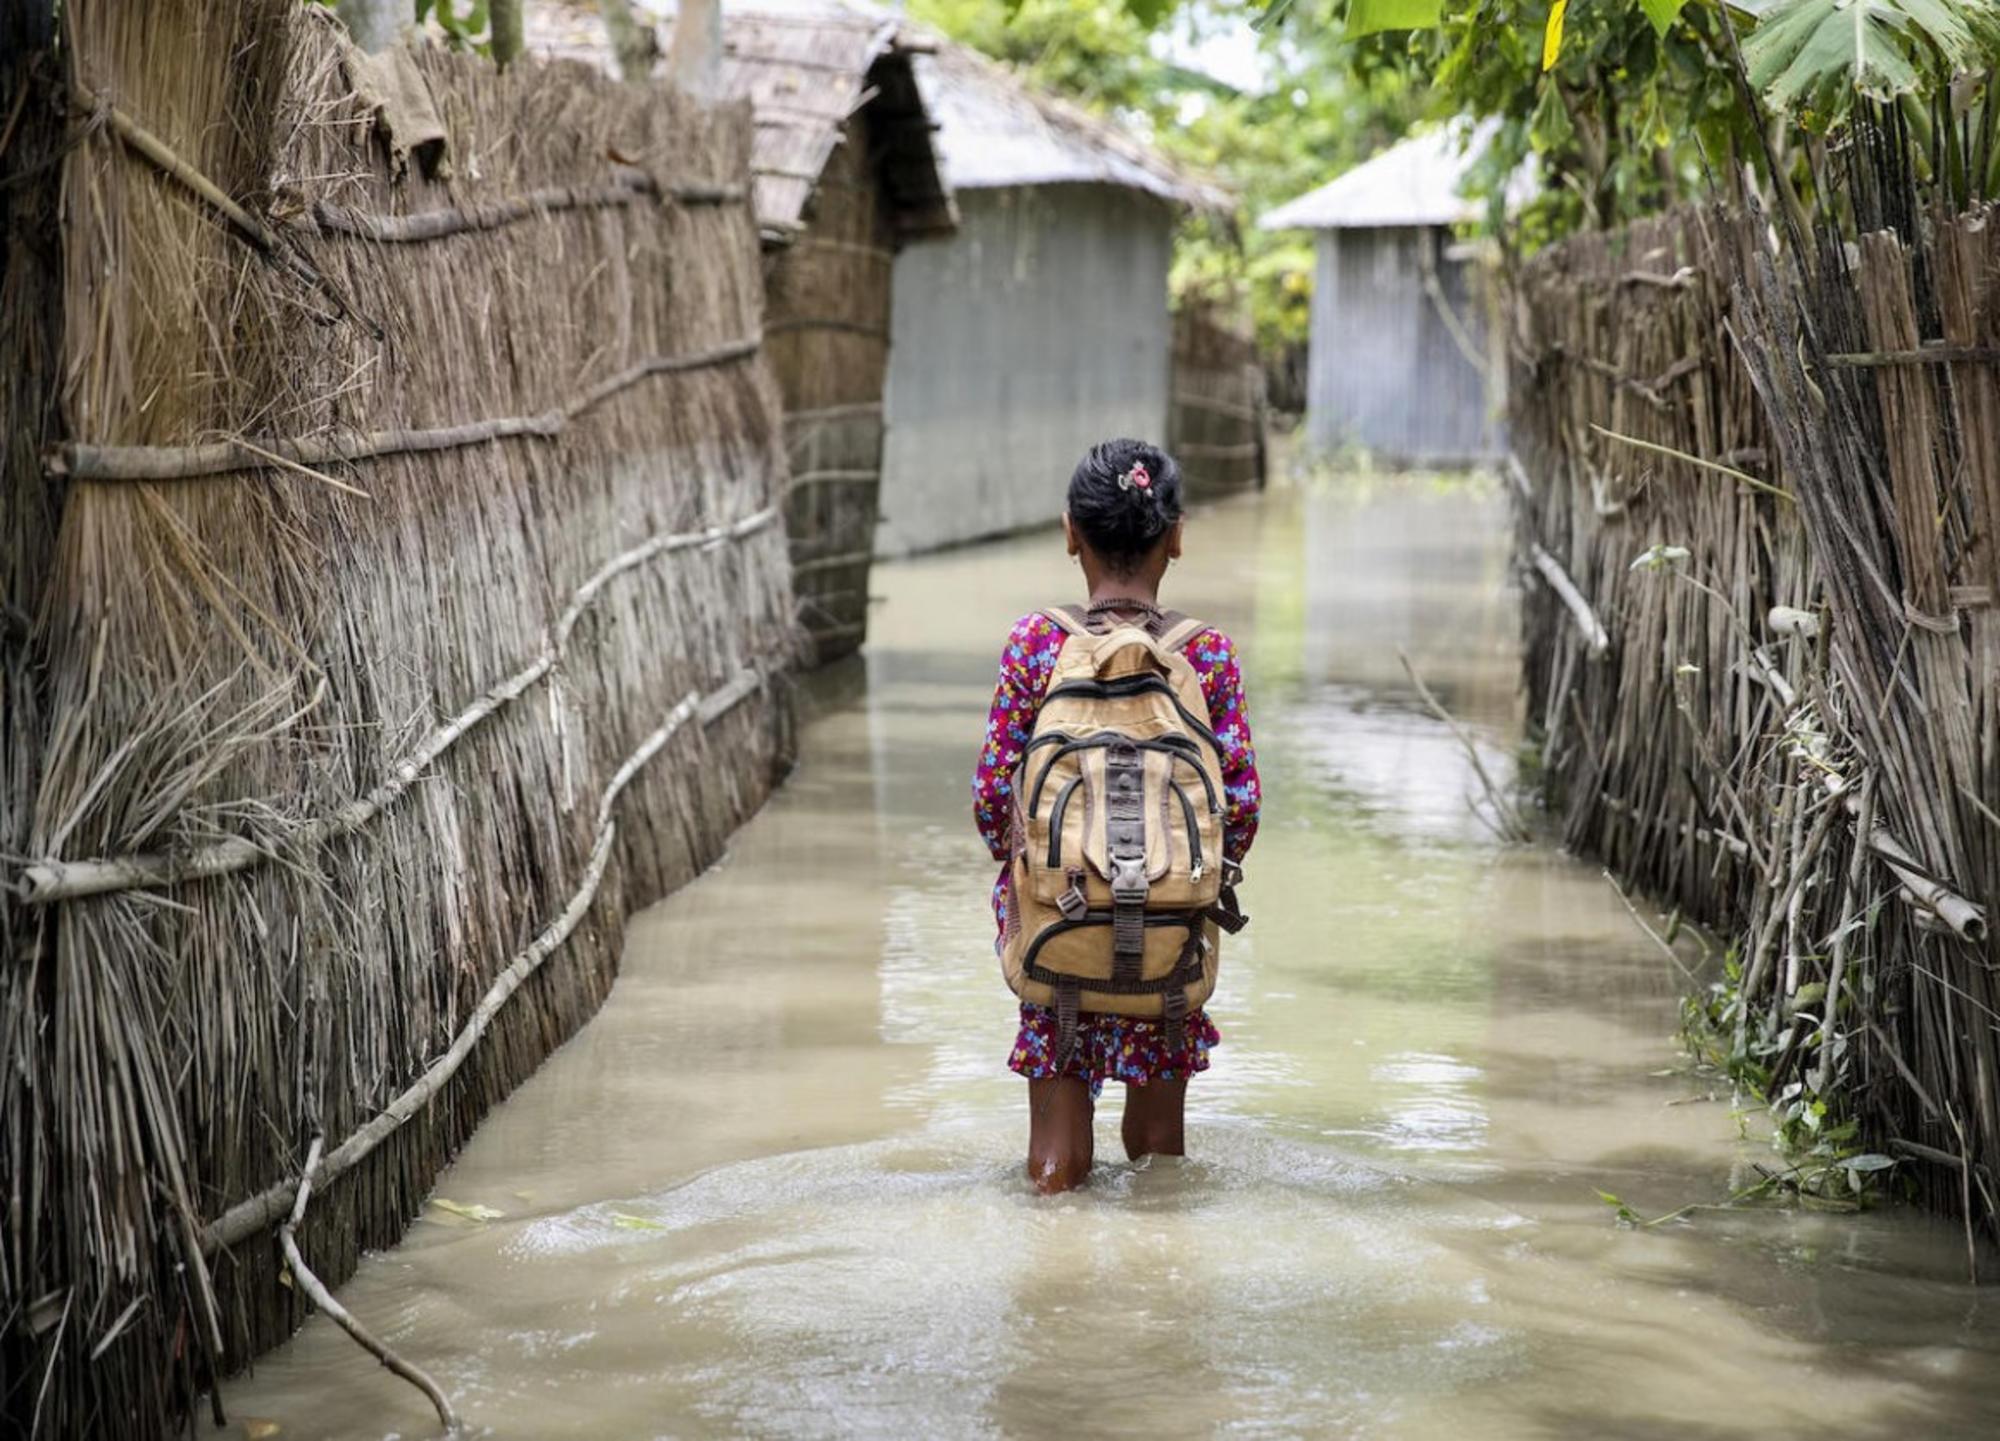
(1761, 511)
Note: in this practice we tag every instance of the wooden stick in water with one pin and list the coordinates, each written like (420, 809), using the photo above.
(318, 1294)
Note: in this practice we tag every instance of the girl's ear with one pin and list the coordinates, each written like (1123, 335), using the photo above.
(1173, 540)
(1070, 545)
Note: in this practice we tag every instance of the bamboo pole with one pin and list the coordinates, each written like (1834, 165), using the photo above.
(1594, 637)
(421, 225)
(249, 1217)
(79, 461)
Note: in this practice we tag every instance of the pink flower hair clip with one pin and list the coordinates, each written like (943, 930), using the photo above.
(1138, 476)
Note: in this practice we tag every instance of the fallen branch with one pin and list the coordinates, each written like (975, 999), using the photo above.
(321, 1297)
(1595, 640)
(1512, 827)
(46, 881)
(1652, 935)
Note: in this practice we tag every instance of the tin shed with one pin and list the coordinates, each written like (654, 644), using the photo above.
(1042, 326)
(1399, 360)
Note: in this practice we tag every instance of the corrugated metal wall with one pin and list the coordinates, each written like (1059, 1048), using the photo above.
(1039, 329)
(1386, 373)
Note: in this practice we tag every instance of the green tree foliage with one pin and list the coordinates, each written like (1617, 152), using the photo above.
(1314, 115)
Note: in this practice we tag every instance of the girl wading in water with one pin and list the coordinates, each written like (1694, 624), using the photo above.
(1119, 787)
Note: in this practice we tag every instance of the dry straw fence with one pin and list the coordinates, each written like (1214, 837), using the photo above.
(1216, 415)
(394, 589)
(1784, 718)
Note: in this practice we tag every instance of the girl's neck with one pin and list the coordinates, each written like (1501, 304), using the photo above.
(1134, 588)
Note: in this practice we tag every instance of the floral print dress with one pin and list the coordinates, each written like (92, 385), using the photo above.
(1109, 1048)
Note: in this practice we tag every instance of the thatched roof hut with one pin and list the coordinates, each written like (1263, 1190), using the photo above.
(393, 586)
(1043, 325)
(846, 175)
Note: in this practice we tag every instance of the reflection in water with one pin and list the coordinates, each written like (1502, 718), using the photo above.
(774, 1189)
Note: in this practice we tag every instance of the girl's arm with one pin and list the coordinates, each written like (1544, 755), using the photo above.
(1025, 663)
(1213, 655)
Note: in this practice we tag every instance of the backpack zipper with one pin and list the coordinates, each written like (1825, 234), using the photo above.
(1179, 751)
(1195, 867)
(1125, 687)
(1056, 820)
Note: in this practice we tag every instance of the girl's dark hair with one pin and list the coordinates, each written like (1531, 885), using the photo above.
(1123, 520)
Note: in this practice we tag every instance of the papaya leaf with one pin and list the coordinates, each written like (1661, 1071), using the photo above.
(1369, 17)
(1814, 56)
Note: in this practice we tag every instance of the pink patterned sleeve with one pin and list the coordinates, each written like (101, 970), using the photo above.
(1213, 656)
(1025, 664)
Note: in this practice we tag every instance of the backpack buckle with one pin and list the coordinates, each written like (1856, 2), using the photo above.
(1072, 902)
(1128, 880)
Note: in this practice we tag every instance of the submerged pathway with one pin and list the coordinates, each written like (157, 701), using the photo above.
(775, 1189)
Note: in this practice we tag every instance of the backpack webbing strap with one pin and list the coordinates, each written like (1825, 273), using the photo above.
(1173, 1019)
(1178, 629)
(1227, 912)
(1069, 995)
(1071, 619)
(1125, 847)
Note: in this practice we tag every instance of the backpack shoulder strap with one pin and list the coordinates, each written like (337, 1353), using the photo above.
(1176, 630)
(1072, 619)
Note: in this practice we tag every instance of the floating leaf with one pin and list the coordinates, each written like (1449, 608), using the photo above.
(471, 1213)
(626, 1222)
(1552, 38)
(260, 1428)
(1368, 17)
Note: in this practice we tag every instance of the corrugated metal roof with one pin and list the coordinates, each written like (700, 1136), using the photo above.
(997, 130)
(1414, 182)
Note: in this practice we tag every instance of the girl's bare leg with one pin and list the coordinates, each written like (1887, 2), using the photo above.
(1059, 1139)
(1155, 1119)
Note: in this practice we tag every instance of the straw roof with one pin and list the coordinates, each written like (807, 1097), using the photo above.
(806, 66)
(1417, 181)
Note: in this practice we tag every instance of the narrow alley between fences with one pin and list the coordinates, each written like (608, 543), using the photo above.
(774, 1187)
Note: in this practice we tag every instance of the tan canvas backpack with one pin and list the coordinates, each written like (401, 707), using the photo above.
(1118, 881)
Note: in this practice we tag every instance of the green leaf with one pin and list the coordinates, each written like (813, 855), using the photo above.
(1662, 13)
(1369, 17)
(1815, 56)
(624, 1221)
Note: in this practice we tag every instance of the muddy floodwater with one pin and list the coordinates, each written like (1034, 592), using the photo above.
(775, 1188)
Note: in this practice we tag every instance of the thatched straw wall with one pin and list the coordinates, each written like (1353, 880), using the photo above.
(321, 744)
(829, 328)
(1215, 407)
(1786, 722)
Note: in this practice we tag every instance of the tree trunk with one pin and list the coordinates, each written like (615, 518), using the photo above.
(634, 44)
(375, 24)
(508, 39)
(695, 62)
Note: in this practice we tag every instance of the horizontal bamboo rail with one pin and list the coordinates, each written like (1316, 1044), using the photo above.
(630, 187)
(50, 880)
(257, 1214)
(80, 461)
